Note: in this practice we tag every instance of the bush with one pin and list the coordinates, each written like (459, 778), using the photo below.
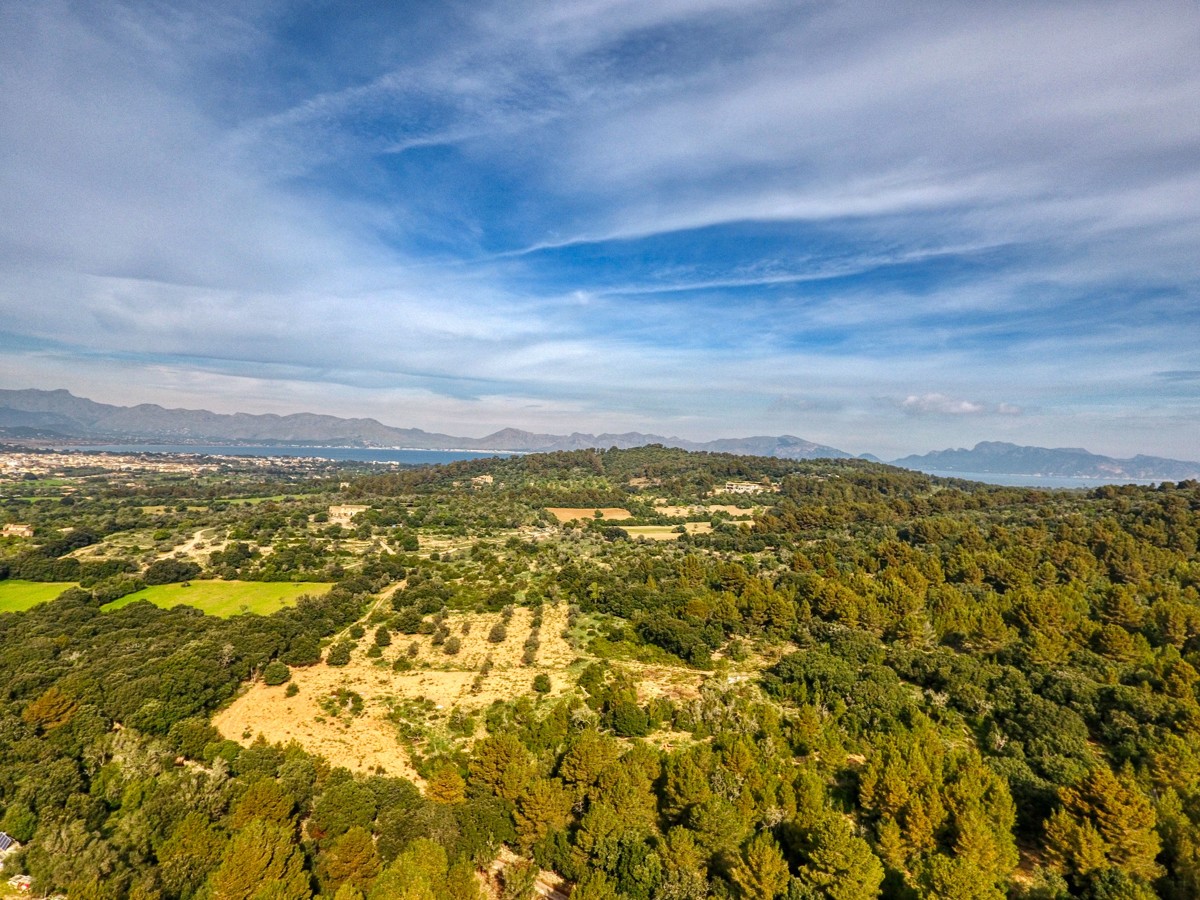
(383, 637)
(276, 673)
(407, 620)
(541, 683)
(498, 633)
(627, 719)
(292, 690)
(115, 587)
(452, 646)
(305, 651)
(169, 571)
(357, 631)
(339, 654)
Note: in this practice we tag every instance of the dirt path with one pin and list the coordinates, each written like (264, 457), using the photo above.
(385, 597)
(191, 547)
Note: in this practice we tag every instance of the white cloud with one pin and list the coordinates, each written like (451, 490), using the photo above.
(940, 404)
(187, 244)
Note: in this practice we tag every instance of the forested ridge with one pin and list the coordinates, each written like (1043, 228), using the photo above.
(911, 687)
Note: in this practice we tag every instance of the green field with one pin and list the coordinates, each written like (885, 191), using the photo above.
(225, 598)
(18, 596)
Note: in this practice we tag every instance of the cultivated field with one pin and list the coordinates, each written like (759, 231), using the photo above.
(225, 598)
(18, 596)
(571, 513)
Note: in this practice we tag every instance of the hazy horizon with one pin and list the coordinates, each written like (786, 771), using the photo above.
(886, 229)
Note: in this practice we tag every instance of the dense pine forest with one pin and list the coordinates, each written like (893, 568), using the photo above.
(877, 683)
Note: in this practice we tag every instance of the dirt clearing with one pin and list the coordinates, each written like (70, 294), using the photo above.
(571, 513)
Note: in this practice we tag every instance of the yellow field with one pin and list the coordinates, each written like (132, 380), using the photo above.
(571, 513)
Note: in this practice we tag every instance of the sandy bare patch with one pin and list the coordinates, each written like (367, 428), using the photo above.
(361, 743)
(369, 740)
(571, 513)
(663, 681)
(444, 681)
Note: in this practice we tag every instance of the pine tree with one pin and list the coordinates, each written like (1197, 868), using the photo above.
(351, 859)
(1103, 819)
(446, 787)
(543, 806)
(265, 800)
(262, 862)
(760, 872)
(189, 854)
(501, 764)
(838, 863)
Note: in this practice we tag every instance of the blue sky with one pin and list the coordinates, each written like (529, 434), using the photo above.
(885, 227)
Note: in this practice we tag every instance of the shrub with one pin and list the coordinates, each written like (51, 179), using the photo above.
(452, 646)
(339, 654)
(498, 633)
(627, 719)
(407, 620)
(276, 673)
(541, 683)
(357, 631)
(383, 637)
(292, 690)
(168, 571)
(305, 651)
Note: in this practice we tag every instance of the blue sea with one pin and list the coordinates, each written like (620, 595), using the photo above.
(1040, 481)
(340, 454)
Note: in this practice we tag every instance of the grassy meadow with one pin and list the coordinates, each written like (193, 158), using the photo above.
(18, 596)
(225, 598)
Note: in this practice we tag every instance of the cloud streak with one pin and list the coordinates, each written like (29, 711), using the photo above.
(699, 217)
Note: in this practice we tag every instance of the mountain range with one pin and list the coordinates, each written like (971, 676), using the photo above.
(999, 458)
(49, 416)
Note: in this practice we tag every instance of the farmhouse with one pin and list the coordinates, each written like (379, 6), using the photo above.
(16, 529)
(342, 514)
(743, 487)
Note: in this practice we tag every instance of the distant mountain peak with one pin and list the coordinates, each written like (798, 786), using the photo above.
(1003, 458)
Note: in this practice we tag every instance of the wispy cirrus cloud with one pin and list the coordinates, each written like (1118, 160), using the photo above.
(943, 405)
(671, 214)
